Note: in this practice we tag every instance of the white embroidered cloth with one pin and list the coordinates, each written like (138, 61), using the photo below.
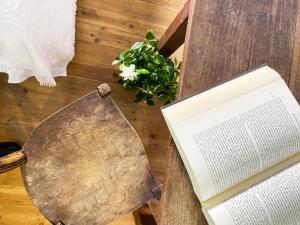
(37, 39)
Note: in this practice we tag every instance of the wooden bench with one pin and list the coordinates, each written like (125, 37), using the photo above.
(222, 39)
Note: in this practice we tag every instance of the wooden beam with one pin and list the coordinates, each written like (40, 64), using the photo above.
(174, 36)
(225, 38)
(294, 82)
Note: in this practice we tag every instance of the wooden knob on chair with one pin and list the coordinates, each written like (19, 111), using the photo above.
(104, 89)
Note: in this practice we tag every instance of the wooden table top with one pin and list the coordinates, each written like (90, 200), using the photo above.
(225, 38)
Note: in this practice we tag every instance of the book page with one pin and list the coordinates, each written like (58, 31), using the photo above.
(230, 141)
(274, 201)
(217, 199)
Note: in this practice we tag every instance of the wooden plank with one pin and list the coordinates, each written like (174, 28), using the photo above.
(125, 220)
(174, 36)
(16, 208)
(24, 106)
(294, 82)
(106, 27)
(166, 3)
(225, 38)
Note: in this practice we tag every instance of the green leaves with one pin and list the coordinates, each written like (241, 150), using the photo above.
(159, 59)
(150, 35)
(162, 97)
(156, 75)
(142, 71)
(154, 43)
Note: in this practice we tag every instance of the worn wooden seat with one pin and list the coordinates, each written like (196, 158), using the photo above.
(86, 158)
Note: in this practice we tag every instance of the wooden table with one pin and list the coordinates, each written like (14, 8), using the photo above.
(222, 39)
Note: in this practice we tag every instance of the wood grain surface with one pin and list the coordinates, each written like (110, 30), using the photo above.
(147, 121)
(12, 161)
(106, 27)
(17, 209)
(23, 107)
(225, 38)
(86, 164)
(294, 82)
(174, 36)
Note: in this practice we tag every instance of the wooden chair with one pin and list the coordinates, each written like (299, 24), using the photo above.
(86, 157)
(222, 39)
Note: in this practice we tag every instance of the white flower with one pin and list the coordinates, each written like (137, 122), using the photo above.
(128, 72)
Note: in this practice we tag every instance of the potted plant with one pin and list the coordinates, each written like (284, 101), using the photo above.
(147, 73)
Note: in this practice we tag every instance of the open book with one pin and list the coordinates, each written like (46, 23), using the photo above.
(240, 143)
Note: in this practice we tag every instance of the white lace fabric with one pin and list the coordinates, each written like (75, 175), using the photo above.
(36, 39)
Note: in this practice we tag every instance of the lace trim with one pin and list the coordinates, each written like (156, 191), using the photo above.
(18, 74)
